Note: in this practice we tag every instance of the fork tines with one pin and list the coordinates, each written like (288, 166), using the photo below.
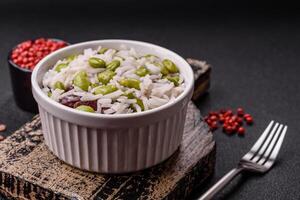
(266, 149)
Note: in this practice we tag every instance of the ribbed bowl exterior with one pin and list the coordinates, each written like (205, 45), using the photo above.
(113, 150)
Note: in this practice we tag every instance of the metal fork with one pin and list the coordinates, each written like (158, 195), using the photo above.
(259, 159)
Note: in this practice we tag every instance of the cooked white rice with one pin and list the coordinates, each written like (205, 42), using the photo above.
(155, 88)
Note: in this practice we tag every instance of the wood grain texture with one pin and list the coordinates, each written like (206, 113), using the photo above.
(28, 170)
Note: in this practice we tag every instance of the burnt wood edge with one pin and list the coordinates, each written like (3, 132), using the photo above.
(202, 85)
(195, 178)
(200, 90)
(16, 188)
(202, 72)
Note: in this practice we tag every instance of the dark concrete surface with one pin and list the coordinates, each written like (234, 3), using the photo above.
(256, 65)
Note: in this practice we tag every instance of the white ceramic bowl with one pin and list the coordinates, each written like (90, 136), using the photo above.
(112, 143)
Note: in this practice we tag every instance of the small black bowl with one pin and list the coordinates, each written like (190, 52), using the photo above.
(21, 84)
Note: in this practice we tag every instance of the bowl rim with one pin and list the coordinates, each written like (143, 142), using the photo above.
(36, 88)
(11, 62)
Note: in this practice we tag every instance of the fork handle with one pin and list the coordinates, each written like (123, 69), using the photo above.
(220, 184)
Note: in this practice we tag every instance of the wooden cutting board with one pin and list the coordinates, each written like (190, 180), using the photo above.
(28, 170)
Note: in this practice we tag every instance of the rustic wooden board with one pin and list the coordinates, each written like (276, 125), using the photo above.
(28, 170)
(202, 73)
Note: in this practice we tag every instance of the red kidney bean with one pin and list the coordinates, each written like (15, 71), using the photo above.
(69, 100)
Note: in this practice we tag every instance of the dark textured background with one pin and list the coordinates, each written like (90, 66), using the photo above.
(253, 49)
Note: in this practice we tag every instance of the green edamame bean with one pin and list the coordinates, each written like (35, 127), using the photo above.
(102, 50)
(60, 66)
(142, 71)
(113, 65)
(149, 56)
(130, 82)
(163, 69)
(106, 76)
(82, 74)
(85, 108)
(59, 85)
(49, 94)
(129, 95)
(174, 79)
(170, 66)
(71, 58)
(81, 80)
(138, 101)
(105, 89)
(96, 62)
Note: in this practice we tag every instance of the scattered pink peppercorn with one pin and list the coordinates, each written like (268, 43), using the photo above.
(241, 131)
(230, 121)
(2, 127)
